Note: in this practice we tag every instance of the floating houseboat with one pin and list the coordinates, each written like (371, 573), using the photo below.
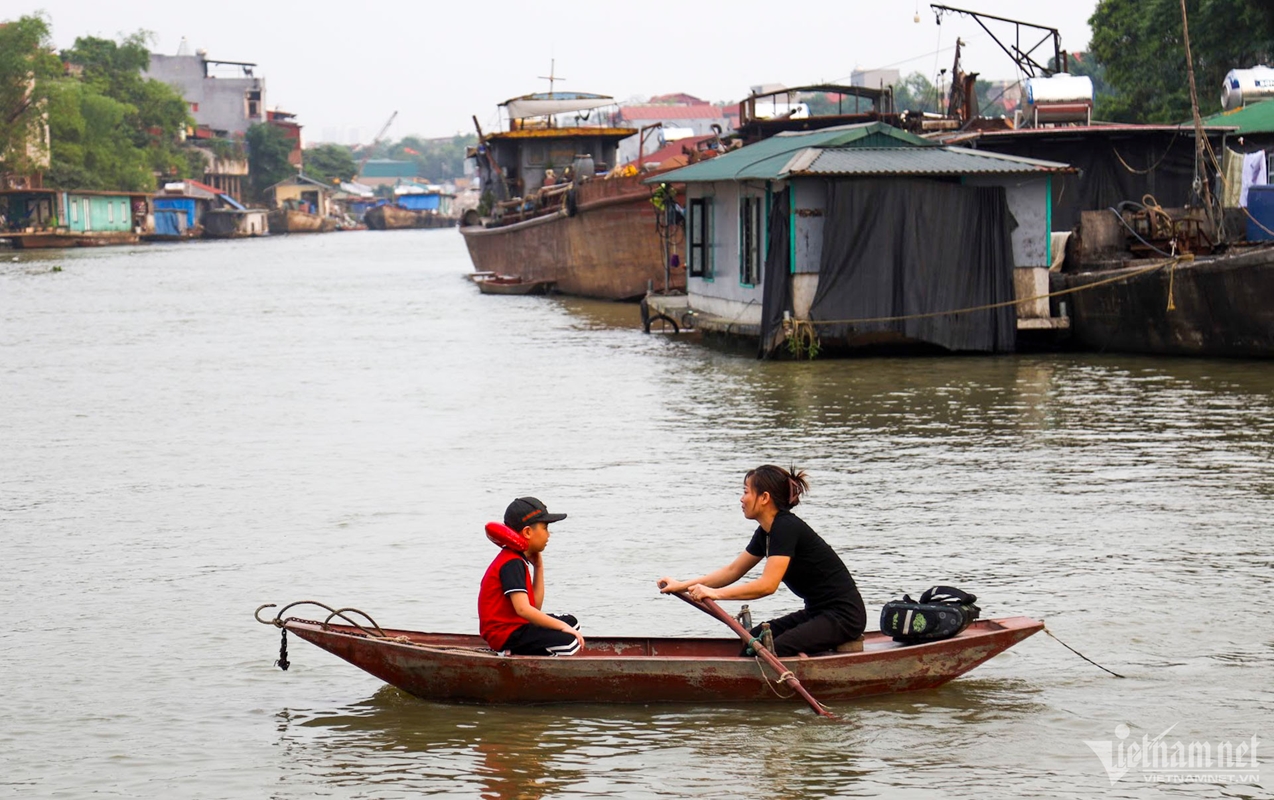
(235, 223)
(39, 218)
(865, 236)
(179, 210)
(413, 206)
(302, 205)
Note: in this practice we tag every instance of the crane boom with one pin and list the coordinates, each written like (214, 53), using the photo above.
(376, 141)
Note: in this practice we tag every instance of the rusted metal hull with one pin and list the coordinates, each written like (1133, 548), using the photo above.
(388, 218)
(290, 221)
(40, 241)
(1221, 307)
(609, 248)
(457, 668)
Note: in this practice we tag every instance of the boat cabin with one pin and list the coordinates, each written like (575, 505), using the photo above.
(548, 138)
(299, 193)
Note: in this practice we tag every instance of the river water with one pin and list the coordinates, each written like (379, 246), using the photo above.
(190, 431)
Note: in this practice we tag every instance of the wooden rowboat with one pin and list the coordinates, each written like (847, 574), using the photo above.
(459, 668)
(507, 284)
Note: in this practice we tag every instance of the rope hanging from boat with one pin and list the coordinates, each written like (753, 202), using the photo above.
(781, 679)
(279, 622)
(1081, 655)
(283, 662)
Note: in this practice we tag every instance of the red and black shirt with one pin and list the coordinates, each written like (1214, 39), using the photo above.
(509, 572)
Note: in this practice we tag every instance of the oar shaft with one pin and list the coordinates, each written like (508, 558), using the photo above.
(711, 608)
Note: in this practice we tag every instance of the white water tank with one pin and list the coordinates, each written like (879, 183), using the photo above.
(1243, 86)
(1059, 98)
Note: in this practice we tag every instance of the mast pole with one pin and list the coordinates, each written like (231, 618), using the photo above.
(1201, 187)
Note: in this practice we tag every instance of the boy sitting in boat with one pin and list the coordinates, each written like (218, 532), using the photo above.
(512, 591)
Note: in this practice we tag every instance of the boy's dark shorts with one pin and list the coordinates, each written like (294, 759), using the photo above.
(532, 640)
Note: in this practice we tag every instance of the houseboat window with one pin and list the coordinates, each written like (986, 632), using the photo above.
(75, 211)
(535, 155)
(750, 241)
(110, 211)
(700, 244)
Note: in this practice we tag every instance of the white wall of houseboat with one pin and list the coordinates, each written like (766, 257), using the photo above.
(1030, 203)
(723, 294)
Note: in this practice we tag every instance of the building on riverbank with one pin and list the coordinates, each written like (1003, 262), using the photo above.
(225, 96)
(44, 218)
(866, 235)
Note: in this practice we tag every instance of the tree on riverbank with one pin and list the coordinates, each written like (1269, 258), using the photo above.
(268, 150)
(26, 65)
(329, 163)
(108, 127)
(150, 116)
(1140, 45)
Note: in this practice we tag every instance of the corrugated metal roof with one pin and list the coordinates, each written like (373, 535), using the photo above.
(914, 161)
(1256, 118)
(768, 158)
(389, 168)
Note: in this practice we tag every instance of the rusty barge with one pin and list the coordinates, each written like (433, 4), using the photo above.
(555, 207)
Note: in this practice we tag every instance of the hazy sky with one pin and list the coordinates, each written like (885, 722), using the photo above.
(343, 68)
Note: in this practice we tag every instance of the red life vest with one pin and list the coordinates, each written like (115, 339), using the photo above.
(496, 618)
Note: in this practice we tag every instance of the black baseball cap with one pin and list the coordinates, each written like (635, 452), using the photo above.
(528, 511)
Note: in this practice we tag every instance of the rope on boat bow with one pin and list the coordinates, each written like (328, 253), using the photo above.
(279, 622)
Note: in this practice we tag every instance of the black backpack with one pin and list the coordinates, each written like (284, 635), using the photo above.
(943, 611)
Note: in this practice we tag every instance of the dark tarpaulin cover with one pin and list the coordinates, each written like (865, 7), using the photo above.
(902, 247)
(1112, 168)
(776, 290)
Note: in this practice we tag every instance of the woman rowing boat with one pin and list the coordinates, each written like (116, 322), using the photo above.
(794, 555)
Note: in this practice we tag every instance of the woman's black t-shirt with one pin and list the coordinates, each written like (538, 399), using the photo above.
(815, 574)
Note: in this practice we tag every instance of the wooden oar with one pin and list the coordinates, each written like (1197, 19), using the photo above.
(711, 608)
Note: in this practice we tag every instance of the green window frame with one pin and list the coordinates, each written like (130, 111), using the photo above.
(751, 239)
(699, 239)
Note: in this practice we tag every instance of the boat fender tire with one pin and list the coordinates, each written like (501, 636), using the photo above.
(662, 317)
(504, 536)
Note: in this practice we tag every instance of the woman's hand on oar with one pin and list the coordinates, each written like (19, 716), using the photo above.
(707, 606)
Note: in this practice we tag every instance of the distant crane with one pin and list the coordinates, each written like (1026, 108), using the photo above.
(368, 153)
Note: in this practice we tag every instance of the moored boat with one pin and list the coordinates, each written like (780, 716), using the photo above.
(460, 668)
(290, 220)
(46, 218)
(40, 240)
(552, 211)
(1211, 300)
(392, 217)
(234, 223)
(507, 284)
